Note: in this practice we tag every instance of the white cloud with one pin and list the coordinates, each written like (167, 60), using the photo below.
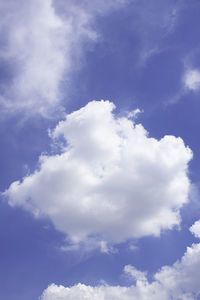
(195, 229)
(82, 291)
(135, 274)
(111, 182)
(40, 48)
(192, 79)
(190, 82)
(42, 44)
(181, 281)
(36, 46)
(133, 114)
(105, 248)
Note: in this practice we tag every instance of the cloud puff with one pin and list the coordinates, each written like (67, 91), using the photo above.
(195, 229)
(179, 281)
(192, 79)
(111, 182)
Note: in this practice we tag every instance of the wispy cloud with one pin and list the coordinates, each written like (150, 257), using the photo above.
(41, 45)
(192, 79)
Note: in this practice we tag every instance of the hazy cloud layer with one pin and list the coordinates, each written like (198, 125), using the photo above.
(111, 182)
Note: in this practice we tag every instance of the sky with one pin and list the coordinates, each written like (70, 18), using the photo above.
(100, 150)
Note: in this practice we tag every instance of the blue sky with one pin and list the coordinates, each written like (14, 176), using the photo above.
(99, 199)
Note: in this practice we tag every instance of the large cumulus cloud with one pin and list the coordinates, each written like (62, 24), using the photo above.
(111, 182)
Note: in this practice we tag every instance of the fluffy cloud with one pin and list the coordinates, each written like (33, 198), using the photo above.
(111, 182)
(41, 44)
(195, 229)
(179, 281)
(192, 79)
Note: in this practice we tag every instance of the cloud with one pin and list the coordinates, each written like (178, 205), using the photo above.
(35, 43)
(111, 182)
(41, 45)
(135, 274)
(192, 79)
(195, 229)
(179, 281)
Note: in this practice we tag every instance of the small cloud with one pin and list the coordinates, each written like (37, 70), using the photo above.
(195, 229)
(134, 273)
(105, 248)
(134, 113)
(192, 79)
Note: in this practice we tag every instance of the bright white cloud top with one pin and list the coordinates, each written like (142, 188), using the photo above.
(179, 281)
(111, 182)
